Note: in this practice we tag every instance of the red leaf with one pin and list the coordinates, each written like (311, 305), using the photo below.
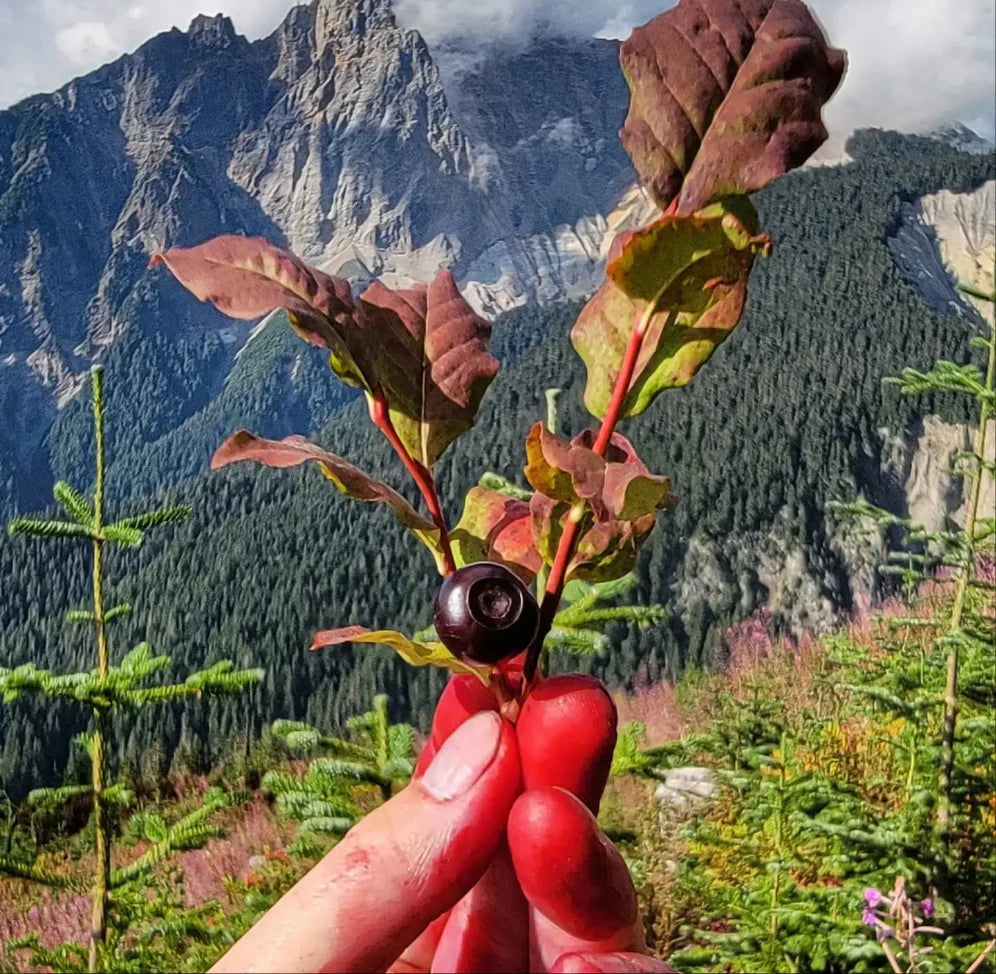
(725, 96)
(353, 482)
(247, 277)
(428, 353)
(495, 527)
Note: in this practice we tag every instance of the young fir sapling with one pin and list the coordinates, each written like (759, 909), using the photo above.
(109, 692)
(725, 97)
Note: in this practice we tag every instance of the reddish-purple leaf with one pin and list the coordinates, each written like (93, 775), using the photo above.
(557, 468)
(428, 354)
(616, 487)
(248, 277)
(725, 96)
(615, 498)
(424, 349)
(495, 527)
(353, 482)
(608, 549)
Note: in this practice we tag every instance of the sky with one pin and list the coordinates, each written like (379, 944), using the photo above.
(913, 64)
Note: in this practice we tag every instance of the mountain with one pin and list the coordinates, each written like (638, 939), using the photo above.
(962, 138)
(333, 136)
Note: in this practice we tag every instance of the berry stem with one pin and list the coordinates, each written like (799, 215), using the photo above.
(572, 525)
(381, 417)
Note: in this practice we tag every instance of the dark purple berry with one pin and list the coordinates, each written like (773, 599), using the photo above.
(485, 614)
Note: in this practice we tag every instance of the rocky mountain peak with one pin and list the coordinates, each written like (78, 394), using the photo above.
(335, 19)
(214, 33)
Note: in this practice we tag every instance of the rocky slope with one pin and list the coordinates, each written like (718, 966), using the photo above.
(334, 136)
(946, 237)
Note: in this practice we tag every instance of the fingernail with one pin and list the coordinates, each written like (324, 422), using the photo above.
(464, 757)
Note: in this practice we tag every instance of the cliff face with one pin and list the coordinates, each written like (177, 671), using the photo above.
(336, 137)
(947, 237)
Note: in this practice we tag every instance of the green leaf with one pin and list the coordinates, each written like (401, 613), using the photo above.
(496, 527)
(725, 96)
(683, 281)
(74, 503)
(351, 481)
(417, 654)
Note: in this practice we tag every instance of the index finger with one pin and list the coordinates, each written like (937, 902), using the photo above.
(566, 731)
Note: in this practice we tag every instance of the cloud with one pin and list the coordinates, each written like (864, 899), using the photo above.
(914, 64)
(86, 42)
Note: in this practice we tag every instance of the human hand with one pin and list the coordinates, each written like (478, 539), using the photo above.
(490, 860)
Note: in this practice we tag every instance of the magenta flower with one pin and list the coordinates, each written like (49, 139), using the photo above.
(868, 918)
(872, 896)
(927, 906)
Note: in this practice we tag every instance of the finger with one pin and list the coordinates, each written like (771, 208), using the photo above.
(463, 697)
(488, 930)
(573, 877)
(425, 758)
(406, 863)
(567, 732)
(617, 963)
(417, 956)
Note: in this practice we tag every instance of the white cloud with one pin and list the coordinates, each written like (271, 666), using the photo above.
(914, 64)
(86, 42)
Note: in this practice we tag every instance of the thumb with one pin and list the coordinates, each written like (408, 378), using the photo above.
(406, 863)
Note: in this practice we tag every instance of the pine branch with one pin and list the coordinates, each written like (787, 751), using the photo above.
(74, 504)
(125, 536)
(49, 529)
(328, 826)
(155, 519)
(642, 615)
(189, 832)
(124, 609)
(53, 797)
(19, 869)
(350, 771)
(80, 616)
(584, 642)
(494, 481)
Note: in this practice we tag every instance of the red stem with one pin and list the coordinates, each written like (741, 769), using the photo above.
(565, 550)
(381, 417)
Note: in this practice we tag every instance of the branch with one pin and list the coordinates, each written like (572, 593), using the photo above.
(568, 540)
(381, 418)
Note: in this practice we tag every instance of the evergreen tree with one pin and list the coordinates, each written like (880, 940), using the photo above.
(109, 692)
